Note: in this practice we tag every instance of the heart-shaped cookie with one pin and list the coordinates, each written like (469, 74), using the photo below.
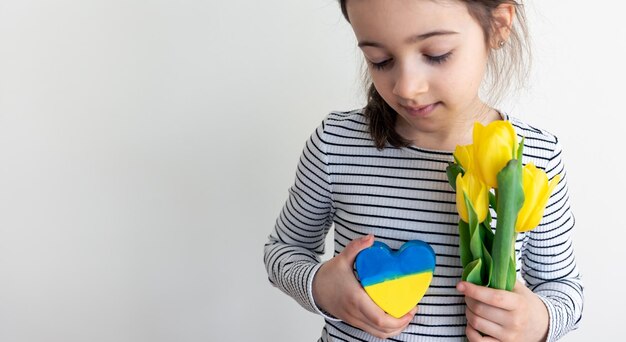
(396, 281)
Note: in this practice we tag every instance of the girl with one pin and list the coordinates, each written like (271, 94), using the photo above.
(380, 172)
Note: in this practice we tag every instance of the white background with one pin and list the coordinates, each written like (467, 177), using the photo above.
(146, 148)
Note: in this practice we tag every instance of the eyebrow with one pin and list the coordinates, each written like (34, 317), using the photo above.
(412, 39)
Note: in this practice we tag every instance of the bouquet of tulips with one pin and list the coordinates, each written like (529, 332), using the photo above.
(489, 173)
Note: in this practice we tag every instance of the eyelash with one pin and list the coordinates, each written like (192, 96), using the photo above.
(434, 60)
(439, 59)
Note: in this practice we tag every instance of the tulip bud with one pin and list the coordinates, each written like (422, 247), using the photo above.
(494, 146)
(463, 156)
(537, 191)
(478, 194)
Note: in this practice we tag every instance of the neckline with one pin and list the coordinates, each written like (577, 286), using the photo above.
(412, 148)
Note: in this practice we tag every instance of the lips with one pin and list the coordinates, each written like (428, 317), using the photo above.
(420, 110)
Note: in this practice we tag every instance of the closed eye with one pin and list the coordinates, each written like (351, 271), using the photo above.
(435, 60)
(438, 59)
(381, 65)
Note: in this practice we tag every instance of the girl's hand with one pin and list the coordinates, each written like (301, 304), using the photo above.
(336, 291)
(502, 315)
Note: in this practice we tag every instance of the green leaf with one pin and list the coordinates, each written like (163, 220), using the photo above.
(487, 234)
(510, 200)
(511, 276)
(487, 268)
(493, 202)
(520, 150)
(471, 273)
(476, 242)
(452, 171)
(464, 243)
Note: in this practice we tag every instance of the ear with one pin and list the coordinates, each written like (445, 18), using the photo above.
(503, 16)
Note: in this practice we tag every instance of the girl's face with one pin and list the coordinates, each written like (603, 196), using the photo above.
(426, 59)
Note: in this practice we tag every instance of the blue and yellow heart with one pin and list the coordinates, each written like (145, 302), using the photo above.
(396, 280)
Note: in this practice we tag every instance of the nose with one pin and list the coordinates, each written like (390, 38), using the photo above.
(410, 82)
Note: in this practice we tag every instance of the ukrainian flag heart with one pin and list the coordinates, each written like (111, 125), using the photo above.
(396, 281)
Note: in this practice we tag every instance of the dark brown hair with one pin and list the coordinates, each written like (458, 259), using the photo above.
(511, 62)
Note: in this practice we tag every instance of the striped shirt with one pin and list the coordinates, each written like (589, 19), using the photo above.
(401, 194)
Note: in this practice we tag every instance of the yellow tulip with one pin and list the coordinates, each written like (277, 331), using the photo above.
(537, 190)
(494, 146)
(476, 191)
(464, 154)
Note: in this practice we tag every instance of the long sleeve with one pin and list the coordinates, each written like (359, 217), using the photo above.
(292, 254)
(548, 262)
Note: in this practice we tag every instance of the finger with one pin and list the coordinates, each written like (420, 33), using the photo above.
(482, 324)
(408, 318)
(380, 324)
(355, 246)
(379, 319)
(377, 331)
(366, 326)
(474, 335)
(499, 298)
(487, 311)
(413, 312)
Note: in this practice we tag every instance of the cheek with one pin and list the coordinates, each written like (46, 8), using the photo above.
(383, 83)
(462, 80)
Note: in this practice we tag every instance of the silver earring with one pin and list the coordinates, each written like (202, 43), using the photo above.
(501, 43)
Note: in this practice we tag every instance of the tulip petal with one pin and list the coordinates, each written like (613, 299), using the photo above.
(469, 185)
(553, 183)
(482, 203)
(493, 146)
(537, 191)
(463, 155)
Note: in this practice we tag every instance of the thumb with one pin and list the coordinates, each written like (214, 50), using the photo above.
(357, 245)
